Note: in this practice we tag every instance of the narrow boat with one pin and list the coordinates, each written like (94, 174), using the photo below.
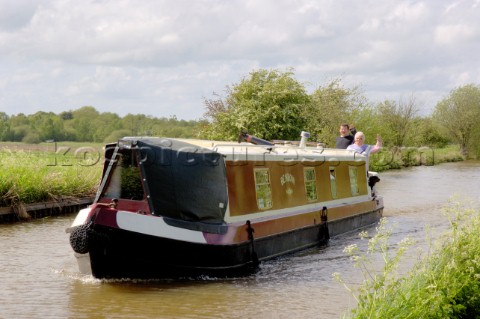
(169, 208)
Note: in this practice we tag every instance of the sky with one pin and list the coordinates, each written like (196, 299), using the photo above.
(164, 57)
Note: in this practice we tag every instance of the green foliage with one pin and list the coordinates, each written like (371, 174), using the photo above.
(116, 135)
(443, 284)
(379, 282)
(31, 138)
(86, 124)
(4, 126)
(398, 157)
(330, 106)
(397, 120)
(268, 104)
(425, 132)
(458, 116)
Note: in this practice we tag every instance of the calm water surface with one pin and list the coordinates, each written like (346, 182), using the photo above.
(39, 277)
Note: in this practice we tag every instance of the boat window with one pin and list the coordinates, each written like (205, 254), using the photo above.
(263, 188)
(125, 180)
(333, 182)
(353, 172)
(310, 185)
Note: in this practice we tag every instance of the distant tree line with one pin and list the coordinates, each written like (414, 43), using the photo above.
(86, 124)
(273, 105)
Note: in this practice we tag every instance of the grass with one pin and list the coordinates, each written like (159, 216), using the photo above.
(38, 173)
(398, 157)
(445, 283)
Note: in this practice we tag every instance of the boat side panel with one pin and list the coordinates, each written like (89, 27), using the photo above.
(288, 184)
(322, 174)
(241, 188)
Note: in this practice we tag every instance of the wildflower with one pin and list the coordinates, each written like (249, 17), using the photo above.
(350, 249)
(363, 234)
(406, 242)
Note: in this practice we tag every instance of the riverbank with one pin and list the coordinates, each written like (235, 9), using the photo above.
(25, 212)
(444, 283)
(401, 157)
(36, 179)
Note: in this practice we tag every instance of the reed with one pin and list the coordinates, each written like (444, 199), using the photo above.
(30, 176)
(445, 283)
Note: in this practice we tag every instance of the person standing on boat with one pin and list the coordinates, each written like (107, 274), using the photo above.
(359, 145)
(346, 136)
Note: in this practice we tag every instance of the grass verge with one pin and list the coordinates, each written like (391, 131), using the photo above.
(443, 284)
(38, 175)
(398, 157)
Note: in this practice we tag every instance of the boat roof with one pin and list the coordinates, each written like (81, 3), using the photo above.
(229, 148)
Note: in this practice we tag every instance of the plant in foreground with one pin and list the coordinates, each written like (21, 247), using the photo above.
(443, 284)
(378, 265)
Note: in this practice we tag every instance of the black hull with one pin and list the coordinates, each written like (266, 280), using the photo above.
(125, 254)
(116, 253)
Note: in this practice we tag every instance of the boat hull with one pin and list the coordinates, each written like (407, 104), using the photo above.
(118, 253)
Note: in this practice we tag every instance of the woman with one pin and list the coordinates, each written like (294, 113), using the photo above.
(365, 149)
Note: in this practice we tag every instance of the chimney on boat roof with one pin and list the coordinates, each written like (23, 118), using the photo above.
(303, 141)
(244, 136)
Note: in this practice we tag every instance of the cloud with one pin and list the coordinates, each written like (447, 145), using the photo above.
(163, 57)
(16, 14)
(452, 34)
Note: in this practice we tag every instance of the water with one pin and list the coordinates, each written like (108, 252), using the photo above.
(39, 277)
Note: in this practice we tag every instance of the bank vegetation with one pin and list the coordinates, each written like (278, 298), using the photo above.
(443, 283)
(38, 173)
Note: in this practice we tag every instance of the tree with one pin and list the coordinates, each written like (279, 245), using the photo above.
(45, 126)
(138, 124)
(330, 106)
(427, 133)
(397, 119)
(105, 124)
(83, 123)
(19, 127)
(116, 135)
(268, 104)
(66, 115)
(459, 114)
(4, 126)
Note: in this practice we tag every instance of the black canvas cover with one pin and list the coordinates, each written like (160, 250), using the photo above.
(183, 181)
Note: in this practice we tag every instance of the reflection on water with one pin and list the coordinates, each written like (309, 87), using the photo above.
(39, 278)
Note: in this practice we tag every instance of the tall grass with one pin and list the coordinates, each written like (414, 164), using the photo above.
(37, 176)
(398, 157)
(445, 283)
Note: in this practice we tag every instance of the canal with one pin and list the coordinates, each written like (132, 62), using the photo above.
(39, 277)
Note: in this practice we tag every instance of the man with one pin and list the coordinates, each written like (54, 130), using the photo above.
(346, 136)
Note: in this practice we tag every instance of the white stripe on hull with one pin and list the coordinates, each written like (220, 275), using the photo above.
(155, 226)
